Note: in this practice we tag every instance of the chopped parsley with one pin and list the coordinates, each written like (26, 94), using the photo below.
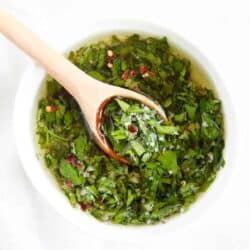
(134, 130)
(170, 163)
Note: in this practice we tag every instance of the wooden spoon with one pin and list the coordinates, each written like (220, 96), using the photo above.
(91, 94)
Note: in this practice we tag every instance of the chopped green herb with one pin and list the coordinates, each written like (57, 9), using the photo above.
(123, 105)
(168, 130)
(138, 148)
(170, 163)
(80, 145)
(70, 173)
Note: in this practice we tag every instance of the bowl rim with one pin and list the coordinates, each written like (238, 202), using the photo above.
(24, 107)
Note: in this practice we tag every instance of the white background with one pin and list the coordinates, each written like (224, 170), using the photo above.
(220, 29)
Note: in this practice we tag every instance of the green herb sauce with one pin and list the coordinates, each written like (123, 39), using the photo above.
(170, 164)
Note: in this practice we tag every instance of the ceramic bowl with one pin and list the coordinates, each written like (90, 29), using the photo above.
(24, 128)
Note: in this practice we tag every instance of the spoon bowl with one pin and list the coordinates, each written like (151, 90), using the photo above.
(92, 97)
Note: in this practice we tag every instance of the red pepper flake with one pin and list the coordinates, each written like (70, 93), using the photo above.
(68, 184)
(51, 108)
(133, 73)
(109, 59)
(79, 165)
(193, 145)
(143, 69)
(151, 73)
(70, 159)
(84, 206)
(124, 75)
(132, 128)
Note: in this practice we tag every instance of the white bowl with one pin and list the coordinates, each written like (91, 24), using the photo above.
(24, 128)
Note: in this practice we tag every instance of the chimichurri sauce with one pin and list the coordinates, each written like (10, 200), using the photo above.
(170, 163)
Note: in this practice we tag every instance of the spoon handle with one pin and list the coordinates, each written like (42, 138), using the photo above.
(67, 74)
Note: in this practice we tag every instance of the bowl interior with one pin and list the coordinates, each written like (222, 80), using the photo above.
(29, 93)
